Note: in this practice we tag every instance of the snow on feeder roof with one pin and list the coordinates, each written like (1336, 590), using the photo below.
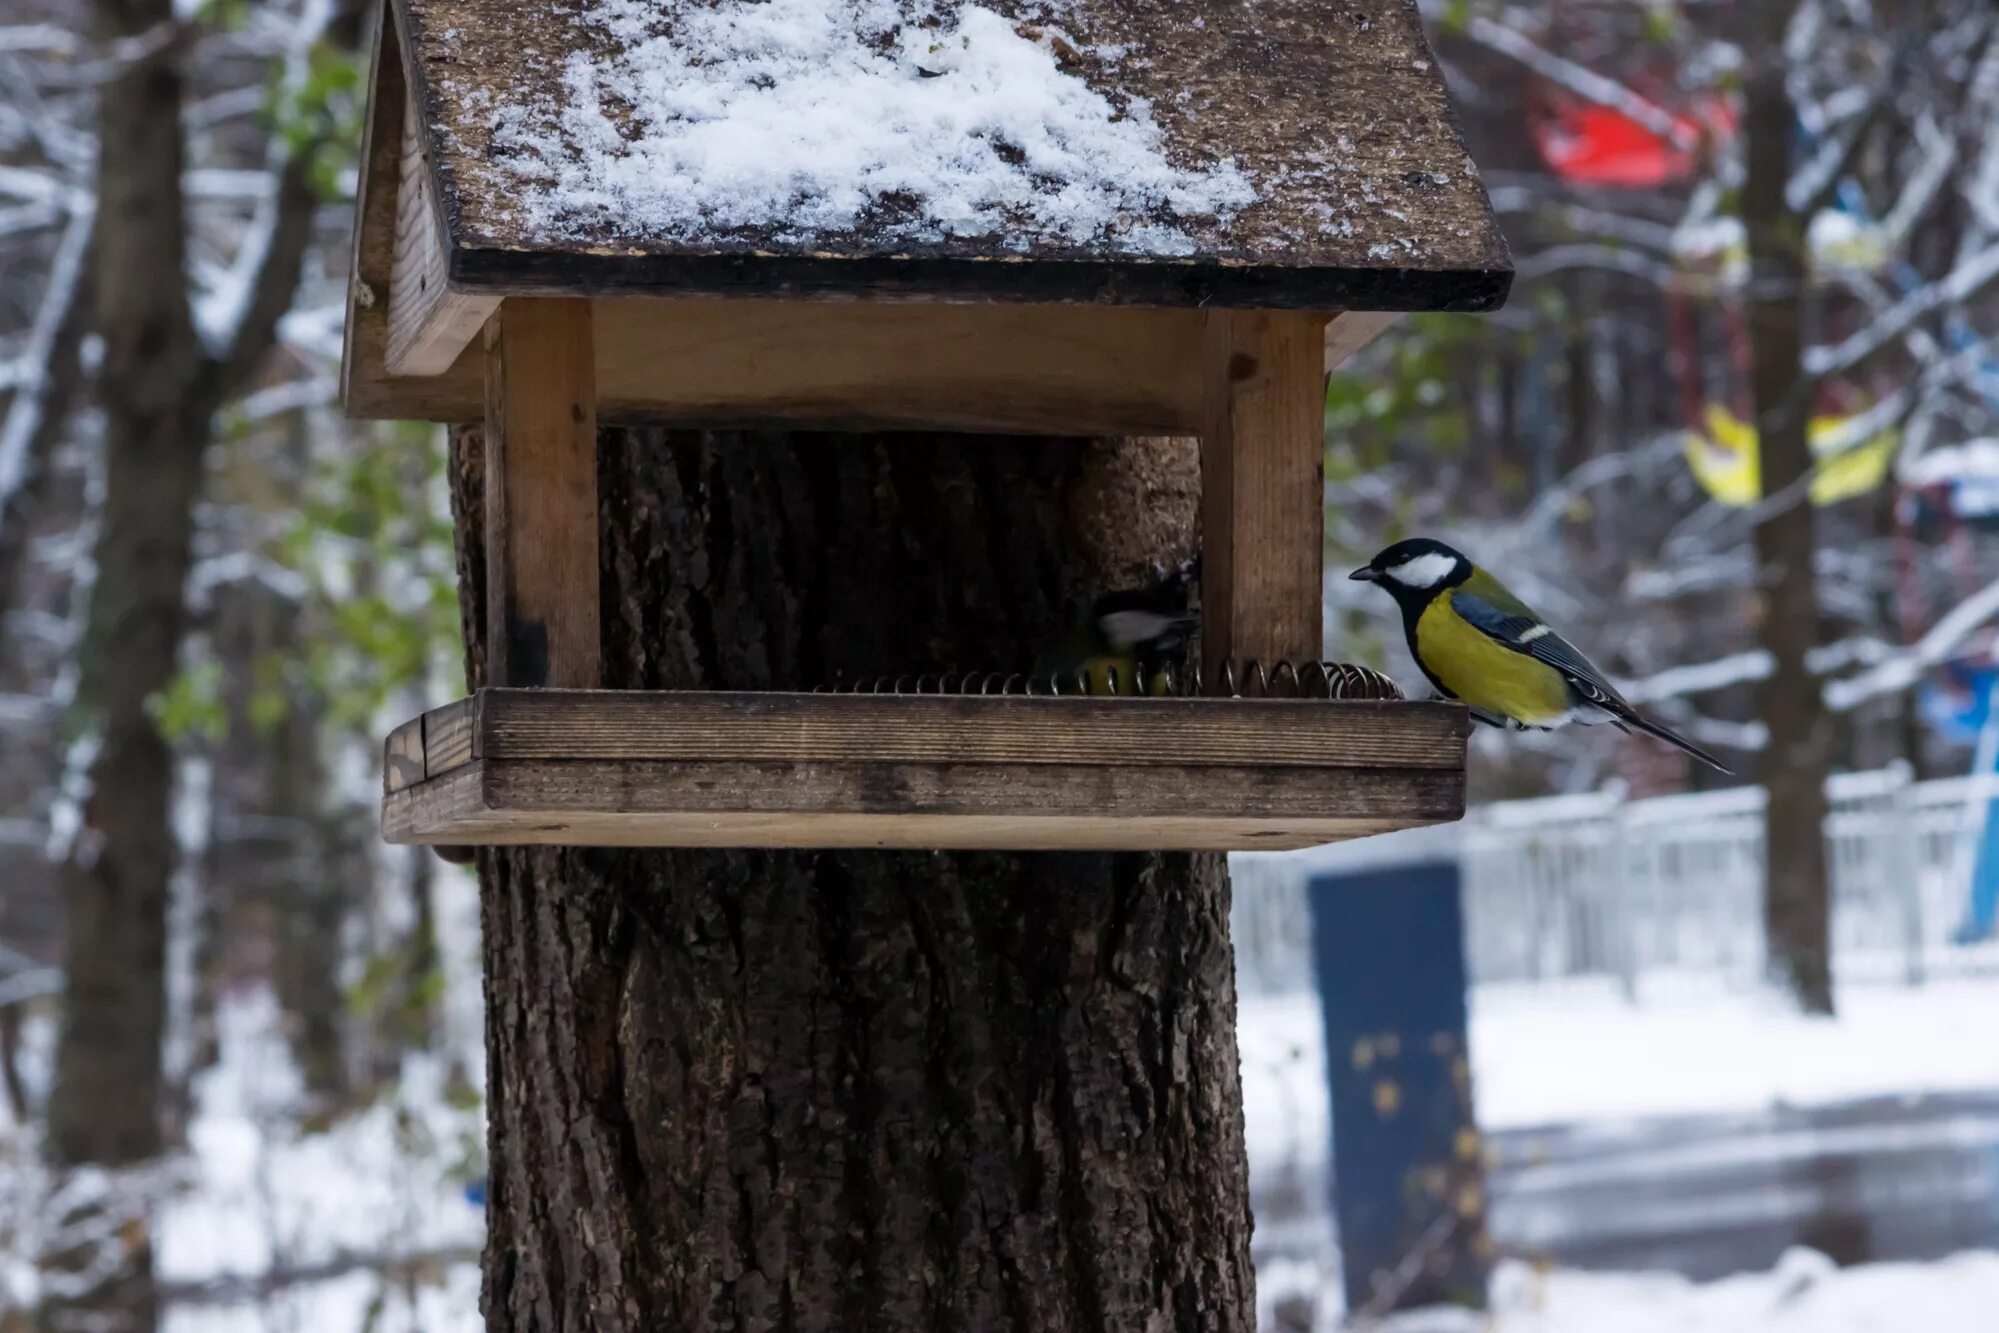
(1268, 153)
(1045, 217)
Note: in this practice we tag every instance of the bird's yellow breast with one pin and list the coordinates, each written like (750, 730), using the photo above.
(1485, 674)
(1116, 675)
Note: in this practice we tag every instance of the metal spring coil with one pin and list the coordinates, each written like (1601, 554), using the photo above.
(1247, 680)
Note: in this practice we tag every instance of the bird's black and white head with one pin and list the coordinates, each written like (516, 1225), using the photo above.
(1141, 622)
(1416, 570)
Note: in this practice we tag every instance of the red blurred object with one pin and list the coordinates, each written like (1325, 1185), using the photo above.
(1595, 145)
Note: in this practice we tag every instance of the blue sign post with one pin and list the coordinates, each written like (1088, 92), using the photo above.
(1408, 1178)
(1961, 709)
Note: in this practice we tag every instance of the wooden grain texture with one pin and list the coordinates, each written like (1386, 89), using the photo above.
(851, 366)
(723, 725)
(366, 388)
(402, 756)
(450, 737)
(541, 497)
(970, 806)
(1364, 197)
(999, 369)
(1262, 480)
(430, 324)
(364, 336)
(692, 768)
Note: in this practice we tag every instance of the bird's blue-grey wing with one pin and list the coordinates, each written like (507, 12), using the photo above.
(1525, 633)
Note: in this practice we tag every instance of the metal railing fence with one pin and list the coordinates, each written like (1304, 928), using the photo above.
(1668, 887)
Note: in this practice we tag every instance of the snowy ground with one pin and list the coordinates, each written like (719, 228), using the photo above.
(1562, 1054)
(1624, 1082)
(326, 1208)
(440, 1300)
(388, 1181)
(267, 1229)
(1804, 1293)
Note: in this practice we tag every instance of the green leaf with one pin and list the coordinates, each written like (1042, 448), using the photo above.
(190, 707)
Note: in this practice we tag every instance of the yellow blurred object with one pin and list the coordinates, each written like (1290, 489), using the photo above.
(1726, 462)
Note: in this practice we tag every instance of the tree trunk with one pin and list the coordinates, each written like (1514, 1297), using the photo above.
(845, 1090)
(104, 1109)
(1796, 894)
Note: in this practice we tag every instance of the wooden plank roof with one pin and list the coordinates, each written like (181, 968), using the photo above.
(1278, 153)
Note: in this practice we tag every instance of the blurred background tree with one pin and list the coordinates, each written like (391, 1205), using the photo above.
(1736, 432)
(1733, 397)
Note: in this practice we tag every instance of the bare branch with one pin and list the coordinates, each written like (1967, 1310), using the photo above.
(1616, 259)
(273, 259)
(283, 241)
(1584, 82)
(1582, 220)
(1560, 497)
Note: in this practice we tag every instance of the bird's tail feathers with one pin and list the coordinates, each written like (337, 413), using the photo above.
(1633, 719)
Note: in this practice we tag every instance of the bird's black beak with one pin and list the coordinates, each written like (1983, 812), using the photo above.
(1365, 574)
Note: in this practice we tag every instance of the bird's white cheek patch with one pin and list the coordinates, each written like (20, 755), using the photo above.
(1425, 571)
(1128, 629)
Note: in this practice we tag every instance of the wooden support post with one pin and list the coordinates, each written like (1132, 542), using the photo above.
(541, 496)
(1262, 478)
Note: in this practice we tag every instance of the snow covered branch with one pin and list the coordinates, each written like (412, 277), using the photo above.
(1888, 670)
(1745, 667)
(1906, 668)
(1964, 283)
(38, 39)
(1559, 498)
(50, 369)
(1813, 185)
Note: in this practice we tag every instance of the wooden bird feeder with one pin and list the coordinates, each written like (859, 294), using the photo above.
(1175, 221)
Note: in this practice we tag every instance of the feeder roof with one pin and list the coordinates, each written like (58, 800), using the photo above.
(1277, 153)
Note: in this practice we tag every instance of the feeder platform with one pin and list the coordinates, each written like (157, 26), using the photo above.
(770, 769)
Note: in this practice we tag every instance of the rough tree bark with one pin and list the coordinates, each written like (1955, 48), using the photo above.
(772, 1091)
(1796, 892)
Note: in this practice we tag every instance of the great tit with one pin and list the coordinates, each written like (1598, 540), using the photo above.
(1479, 643)
(1126, 645)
